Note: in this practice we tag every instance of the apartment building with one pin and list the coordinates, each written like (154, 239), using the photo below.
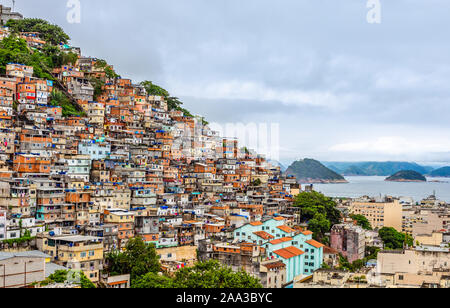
(76, 252)
(380, 214)
(413, 267)
(349, 240)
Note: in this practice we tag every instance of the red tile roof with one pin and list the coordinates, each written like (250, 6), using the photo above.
(281, 240)
(278, 218)
(277, 264)
(286, 229)
(289, 252)
(264, 235)
(307, 232)
(295, 250)
(315, 243)
(330, 250)
(256, 223)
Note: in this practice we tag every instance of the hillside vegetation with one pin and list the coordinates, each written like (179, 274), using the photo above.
(407, 176)
(312, 171)
(441, 172)
(375, 168)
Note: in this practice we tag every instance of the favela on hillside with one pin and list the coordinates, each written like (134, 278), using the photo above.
(111, 179)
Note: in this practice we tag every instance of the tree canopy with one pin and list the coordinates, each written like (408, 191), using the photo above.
(318, 211)
(210, 274)
(362, 221)
(15, 50)
(58, 98)
(393, 239)
(153, 89)
(173, 103)
(137, 260)
(52, 34)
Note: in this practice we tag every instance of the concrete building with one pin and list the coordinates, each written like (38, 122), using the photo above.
(2, 225)
(413, 266)
(6, 14)
(21, 269)
(272, 274)
(380, 214)
(349, 240)
(75, 252)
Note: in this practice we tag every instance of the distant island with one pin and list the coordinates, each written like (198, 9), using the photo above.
(312, 171)
(375, 168)
(441, 172)
(407, 176)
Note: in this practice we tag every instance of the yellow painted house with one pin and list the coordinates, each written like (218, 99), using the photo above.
(75, 252)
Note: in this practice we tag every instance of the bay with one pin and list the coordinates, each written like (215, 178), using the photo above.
(374, 186)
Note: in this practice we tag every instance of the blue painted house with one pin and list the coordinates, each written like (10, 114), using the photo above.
(301, 254)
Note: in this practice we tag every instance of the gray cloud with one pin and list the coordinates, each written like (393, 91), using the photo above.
(341, 89)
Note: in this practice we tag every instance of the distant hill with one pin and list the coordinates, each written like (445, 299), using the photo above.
(407, 176)
(375, 168)
(337, 170)
(354, 170)
(312, 171)
(441, 172)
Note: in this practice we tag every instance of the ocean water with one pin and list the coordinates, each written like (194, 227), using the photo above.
(374, 186)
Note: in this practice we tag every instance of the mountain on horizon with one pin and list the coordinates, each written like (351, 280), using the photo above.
(441, 172)
(406, 176)
(312, 171)
(376, 168)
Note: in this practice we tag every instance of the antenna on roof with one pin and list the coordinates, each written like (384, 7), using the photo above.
(14, 4)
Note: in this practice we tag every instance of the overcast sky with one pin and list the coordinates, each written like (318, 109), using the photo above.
(341, 88)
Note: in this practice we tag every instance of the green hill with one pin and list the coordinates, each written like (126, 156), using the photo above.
(354, 171)
(407, 176)
(312, 171)
(441, 172)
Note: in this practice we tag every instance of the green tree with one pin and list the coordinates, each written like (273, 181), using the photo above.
(362, 221)
(257, 182)
(58, 98)
(154, 90)
(319, 225)
(318, 211)
(210, 274)
(14, 49)
(314, 202)
(372, 252)
(153, 281)
(98, 85)
(393, 239)
(69, 58)
(50, 33)
(173, 103)
(61, 276)
(138, 259)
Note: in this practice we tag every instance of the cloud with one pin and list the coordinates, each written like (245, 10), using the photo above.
(340, 88)
(392, 146)
(254, 91)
